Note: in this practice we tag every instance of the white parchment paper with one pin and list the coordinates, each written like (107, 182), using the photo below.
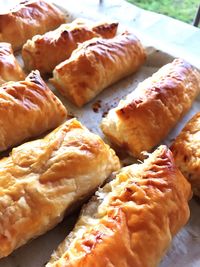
(164, 39)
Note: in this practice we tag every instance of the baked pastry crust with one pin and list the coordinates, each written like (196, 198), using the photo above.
(28, 19)
(27, 109)
(46, 51)
(10, 70)
(132, 220)
(186, 151)
(146, 116)
(96, 64)
(42, 179)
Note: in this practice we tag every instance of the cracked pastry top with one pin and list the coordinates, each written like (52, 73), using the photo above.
(131, 220)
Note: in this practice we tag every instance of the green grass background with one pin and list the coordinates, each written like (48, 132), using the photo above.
(184, 10)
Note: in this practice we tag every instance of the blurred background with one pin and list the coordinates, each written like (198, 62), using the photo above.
(184, 10)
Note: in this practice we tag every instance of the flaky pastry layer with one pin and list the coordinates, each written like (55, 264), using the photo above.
(28, 19)
(147, 115)
(43, 179)
(131, 221)
(46, 51)
(96, 64)
(10, 70)
(186, 151)
(27, 109)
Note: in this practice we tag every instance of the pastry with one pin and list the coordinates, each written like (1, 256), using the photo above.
(27, 109)
(41, 180)
(132, 220)
(186, 151)
(10, 70)
(147, 115)
(46, 51)
(96, 64)
(28, 19)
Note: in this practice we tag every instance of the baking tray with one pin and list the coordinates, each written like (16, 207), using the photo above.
(185, 248)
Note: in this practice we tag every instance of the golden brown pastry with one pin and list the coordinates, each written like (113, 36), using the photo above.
(27, 109)
(132, 220)
(96, 64)
(147, 115)
(10, 70)
(186, 151)
(1, 81)
(42, 179)
(28, 19)
(46, 51)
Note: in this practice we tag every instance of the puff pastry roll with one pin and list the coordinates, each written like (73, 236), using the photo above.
(43, 179)
(10, 70)
(186, 151)
(147, 115)
(28, 19)
(132, 220)
(96, 64)
(27, 109)
(46, 51)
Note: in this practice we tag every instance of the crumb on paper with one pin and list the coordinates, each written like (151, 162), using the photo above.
(96, 106)
(107, 106)
(70, 116)
(104, 114)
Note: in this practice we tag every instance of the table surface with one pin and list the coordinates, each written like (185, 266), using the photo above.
(172, 36)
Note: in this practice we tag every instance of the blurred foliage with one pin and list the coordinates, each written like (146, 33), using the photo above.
(184, 10)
